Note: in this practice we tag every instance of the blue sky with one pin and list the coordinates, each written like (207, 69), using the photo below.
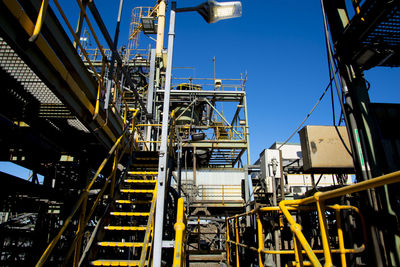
(281, 47)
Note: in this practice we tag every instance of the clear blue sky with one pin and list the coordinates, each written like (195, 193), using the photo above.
(279, 43)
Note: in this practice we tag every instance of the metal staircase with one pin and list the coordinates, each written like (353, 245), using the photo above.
(128, 232)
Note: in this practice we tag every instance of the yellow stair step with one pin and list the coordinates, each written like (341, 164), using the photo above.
(144, 165)
(142, 173)
(137, 190)
(135, 181)
(115, 263)
(125, 228)
(126, 201)
(146, 159)
(128, 213)
(120, 244)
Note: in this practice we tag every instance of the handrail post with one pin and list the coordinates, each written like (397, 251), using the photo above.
(237, 241)
(323, 229)
(340, 237)
(297, 251)
(114, 172)
(180, 228)
(227, 239)
(260, 239)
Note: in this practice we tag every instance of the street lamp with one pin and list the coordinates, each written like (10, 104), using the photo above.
(211, 11)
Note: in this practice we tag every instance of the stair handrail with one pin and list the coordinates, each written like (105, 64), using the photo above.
(82, 201)
(149, 230)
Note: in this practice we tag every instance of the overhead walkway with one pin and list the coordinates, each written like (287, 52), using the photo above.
(52, 72)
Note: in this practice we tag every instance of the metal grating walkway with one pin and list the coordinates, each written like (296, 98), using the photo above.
(51, 105)
(373, 36)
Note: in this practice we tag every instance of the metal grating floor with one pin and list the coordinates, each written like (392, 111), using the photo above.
(16, 67)
(387, 31)
(373, 36)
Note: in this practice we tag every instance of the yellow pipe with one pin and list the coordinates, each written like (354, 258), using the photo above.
(292, 252)
(340, 237)
(296, 229)
(39, 21)
(180, 227)
(260, 239)
(237, 241)
(323, 229)
(390, 178)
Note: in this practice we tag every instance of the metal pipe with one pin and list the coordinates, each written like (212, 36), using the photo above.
(114, 51)
(160, 28)
(162, 166)
(340, 237)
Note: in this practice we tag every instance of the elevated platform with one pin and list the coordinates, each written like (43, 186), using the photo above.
(373, 36)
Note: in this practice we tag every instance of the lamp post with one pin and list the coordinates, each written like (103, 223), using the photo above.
(211, 11)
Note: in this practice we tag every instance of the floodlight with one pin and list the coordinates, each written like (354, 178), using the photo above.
(149, 25)
(226, 10)
(213, 11)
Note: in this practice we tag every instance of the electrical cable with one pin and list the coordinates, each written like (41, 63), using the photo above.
(332, 66)
(308, 115)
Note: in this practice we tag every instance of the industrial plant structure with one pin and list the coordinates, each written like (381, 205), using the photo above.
(144, 169)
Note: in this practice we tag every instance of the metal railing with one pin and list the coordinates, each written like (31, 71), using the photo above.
(208, 84)
(301, 245)
(116, 152)
(234, 223)
(180, 236)
(219, 192)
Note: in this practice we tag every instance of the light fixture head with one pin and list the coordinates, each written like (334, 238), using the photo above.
(213, 11)
(224, 10)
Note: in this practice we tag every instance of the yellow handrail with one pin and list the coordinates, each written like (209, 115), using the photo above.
(298, 242)
(39, 21)
(83, 198)
(180, 236)
(301, 245)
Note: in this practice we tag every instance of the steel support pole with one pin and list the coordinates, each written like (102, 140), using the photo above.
(114, 51)
(162, 165)
(150, 92)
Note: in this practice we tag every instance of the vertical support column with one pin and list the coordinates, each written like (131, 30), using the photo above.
(160, 28)
(150, 94)
(247, 193)
(162, 165)
(113, 56)
(150, 88)
(247, 129)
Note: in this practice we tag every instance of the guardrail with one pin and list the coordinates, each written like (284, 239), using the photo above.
(209, 84)
(180, 236)
(81, 204)
(301, 245)
(219, 192)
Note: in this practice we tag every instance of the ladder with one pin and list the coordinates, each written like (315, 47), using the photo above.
(128, 231)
